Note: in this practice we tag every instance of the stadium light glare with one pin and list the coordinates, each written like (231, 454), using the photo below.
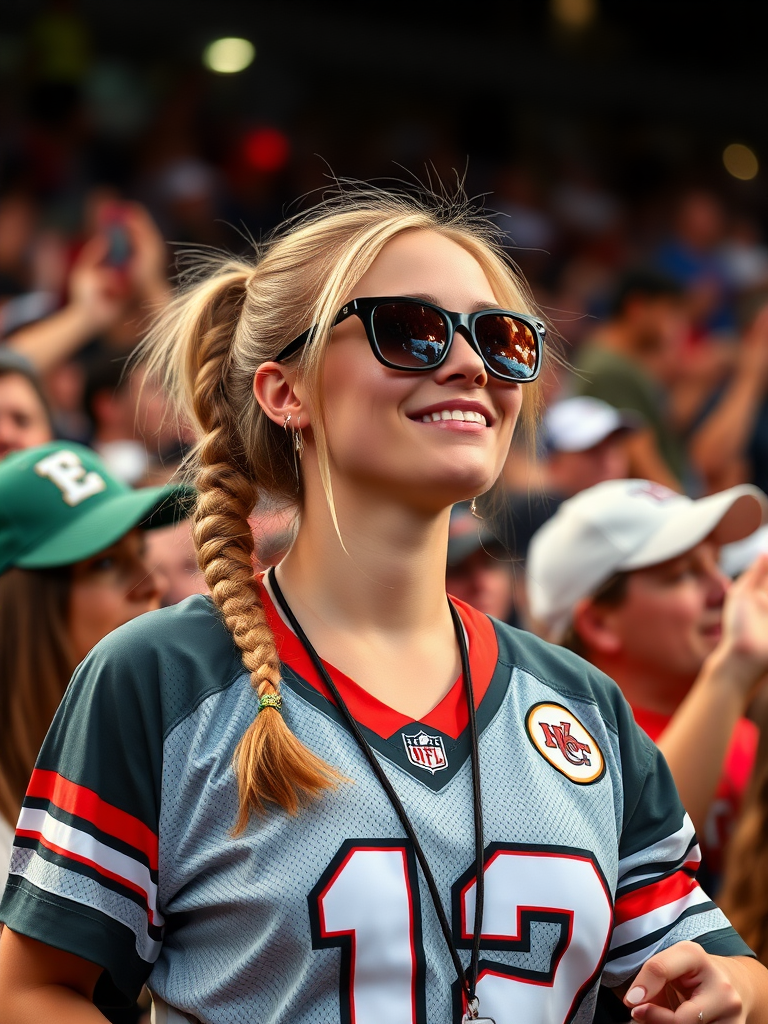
(740, 161)
(228, 56)
(574, 14)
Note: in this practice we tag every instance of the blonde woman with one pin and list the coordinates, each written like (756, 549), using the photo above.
(330, 794)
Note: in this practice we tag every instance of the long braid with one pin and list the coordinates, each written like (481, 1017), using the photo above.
(271, 764)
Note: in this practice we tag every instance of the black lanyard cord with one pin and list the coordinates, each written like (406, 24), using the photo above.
(468, 981)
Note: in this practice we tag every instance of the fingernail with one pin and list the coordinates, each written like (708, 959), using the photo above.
(636, 1014)
(635, 995)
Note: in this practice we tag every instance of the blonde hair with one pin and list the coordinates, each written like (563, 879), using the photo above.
(230, 317)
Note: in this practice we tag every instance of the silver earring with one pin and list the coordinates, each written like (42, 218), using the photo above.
(298, 439)
(473, 509)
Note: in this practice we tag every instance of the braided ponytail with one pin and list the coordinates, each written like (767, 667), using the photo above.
(206, 347)
(270, 763)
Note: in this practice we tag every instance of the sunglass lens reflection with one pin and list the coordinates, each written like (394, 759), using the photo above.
(508, 346)
(409, 335)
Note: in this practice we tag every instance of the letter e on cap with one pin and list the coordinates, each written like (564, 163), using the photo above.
(65, 469)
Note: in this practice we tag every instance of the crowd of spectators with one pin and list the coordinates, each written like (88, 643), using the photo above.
(659, 311)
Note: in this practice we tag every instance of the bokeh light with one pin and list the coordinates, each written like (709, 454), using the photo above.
(740, 161)
(228, 56)
(574, 14)
(266, 149)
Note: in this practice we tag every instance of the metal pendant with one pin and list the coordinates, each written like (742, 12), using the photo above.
(471, 1015)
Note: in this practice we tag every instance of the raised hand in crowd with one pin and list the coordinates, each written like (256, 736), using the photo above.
(147, 266)
(96, 300)
(718, 448)
(103, 298)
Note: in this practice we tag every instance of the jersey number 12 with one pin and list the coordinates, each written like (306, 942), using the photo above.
(547, 906)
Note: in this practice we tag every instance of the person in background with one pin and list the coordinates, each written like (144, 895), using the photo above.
(744, 892)
(692, 256)
(130, 426)
(171, 556)
(626, 575)
(25, 418)
(95, 302)
(274, 531)
(730, 443)
(632, 360)
(736, 559)
(116, 281)
(585, 441)
(73, 567)
(479, 569)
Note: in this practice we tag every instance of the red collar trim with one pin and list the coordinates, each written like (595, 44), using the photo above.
(449, 716)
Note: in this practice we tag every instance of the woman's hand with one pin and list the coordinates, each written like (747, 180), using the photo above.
(686, 985)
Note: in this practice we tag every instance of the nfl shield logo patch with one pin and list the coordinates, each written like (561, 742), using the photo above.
(426, 751)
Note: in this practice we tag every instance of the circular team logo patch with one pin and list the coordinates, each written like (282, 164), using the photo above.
(562, 740)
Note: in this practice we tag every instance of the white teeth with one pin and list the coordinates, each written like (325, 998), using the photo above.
(455, 414)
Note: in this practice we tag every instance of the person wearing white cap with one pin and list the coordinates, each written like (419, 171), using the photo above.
(585, 441)
(626, 574)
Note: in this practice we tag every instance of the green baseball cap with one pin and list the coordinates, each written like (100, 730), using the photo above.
(59, 504)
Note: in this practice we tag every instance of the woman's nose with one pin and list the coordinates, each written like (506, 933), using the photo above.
(463, 362)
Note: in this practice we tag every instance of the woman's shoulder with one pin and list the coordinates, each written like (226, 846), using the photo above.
(175, 655)
(194, 622)
(562, 671)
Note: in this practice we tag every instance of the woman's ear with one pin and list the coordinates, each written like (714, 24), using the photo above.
(594, 626)
(274, 386)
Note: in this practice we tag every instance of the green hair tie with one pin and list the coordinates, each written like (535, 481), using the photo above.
(271, 700)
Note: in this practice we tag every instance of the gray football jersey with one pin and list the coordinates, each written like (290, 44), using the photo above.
(124, 852)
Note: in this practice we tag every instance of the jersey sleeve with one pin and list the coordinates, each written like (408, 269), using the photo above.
(83, 875)
(658, 900)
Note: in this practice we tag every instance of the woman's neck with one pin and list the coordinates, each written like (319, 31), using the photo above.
(390, 578)
(377, 612)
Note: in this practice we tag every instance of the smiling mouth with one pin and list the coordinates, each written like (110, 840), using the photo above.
(458, 415)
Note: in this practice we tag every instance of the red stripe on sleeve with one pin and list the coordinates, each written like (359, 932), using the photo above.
(643, 901)
(63, 852)
(86, 804)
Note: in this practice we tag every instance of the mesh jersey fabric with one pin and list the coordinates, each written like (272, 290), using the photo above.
(124, 855)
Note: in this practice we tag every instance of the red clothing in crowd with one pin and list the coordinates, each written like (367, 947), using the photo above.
(737, 769)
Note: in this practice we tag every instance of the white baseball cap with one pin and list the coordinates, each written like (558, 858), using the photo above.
(621, 525)
(737, 557)
(578, 424)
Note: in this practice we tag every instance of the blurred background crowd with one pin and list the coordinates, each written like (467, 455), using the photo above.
(619, 147)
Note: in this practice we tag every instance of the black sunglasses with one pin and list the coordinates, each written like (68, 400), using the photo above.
(410, 334)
